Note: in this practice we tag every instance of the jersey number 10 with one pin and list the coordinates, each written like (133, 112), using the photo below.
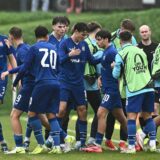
(52, 55)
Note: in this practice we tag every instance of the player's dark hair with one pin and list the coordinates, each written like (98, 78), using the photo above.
(125, 36)
(80, 27)
(16, 32)
(92, 26)
(41, 31)
(67, 20)
(61, 20)
(104, 34)
(128, 25)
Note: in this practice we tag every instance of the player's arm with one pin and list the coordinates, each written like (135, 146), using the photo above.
(64, 55)
(117, 66)
(12, 71)
(12, 60)
(10, 53)
(91, 59)
(25, 67)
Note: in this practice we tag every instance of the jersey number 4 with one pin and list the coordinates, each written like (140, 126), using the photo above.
(52, 55)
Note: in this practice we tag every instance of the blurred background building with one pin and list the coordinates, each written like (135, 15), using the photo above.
(61, 5)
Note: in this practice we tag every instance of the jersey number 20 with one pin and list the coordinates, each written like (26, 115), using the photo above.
(52, 58)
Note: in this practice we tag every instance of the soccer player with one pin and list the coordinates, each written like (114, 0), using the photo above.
(156, 78)
(149, 48)
(22, 101)
(91, 73)
(128, 25)
(60, 27)
(42, 60)
(74, 53)
(131, 63)
(111, 101)
(6, 51)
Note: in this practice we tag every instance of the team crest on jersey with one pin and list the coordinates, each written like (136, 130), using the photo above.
(1, 44)
(83, 48)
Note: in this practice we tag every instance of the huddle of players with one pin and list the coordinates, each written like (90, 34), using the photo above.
(52, 73)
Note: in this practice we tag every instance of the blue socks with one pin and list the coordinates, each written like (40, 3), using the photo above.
(35, 123)
(99, 138)
(1, 133)
(63, 134)
(150, 128)
(55, 131)
(131, 132)
(83, 131)
(28, 130)
(18, 140)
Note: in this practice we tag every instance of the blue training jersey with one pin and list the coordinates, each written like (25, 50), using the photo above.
(72, 68)
(4, 52)
(42, 61)
(55, 42)
(109, 83)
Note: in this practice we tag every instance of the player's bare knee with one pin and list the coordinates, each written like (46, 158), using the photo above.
(14, 116)
(82, 110)
(146, 115)
(61, 113)
(101, 114)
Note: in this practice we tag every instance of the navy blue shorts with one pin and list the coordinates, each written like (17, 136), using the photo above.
(22, 101)
(77, 94)
(45, 97)
(3, 86)
(140, 103)
(111, 101)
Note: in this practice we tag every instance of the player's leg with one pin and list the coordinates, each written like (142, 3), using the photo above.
(20, 105)
(16, 126)
(3, 85)
(94, 98)
(109, 131)
(38, 105)
(150, 127)
(101, 115)
(133, 108)
(3, 143)
(45, 123)
(80, 100)
(119, 115)
(123, 135)
(51, 110)
(64, 97)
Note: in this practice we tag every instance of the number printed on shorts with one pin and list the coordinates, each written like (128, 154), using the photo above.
(18, 99)
(105, 98)
(52, 55)
(3, 91)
